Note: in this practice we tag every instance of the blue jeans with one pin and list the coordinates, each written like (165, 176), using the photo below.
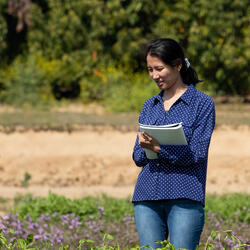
(181, 219)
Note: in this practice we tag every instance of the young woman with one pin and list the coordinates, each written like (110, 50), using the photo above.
(169, 194)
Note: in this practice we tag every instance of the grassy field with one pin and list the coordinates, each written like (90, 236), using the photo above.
(57, 221)
(226, 114)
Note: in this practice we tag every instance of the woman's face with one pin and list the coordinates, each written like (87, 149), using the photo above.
(164, 75)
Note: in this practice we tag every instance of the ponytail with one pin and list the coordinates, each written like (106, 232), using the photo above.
(188, 74)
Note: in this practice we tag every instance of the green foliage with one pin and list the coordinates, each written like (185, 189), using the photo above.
(63, 26)
(234, 206)
(22, 244)
(35, 206)
(115, 210)
(127, 91)
(166, 245)
(3, 31)
(224, 58)
(217, 235)
(119, 89)
(26, 178)
(73, 41)
(216, 38)
(24, 83)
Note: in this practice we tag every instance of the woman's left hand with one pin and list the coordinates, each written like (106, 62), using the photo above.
(145, 141)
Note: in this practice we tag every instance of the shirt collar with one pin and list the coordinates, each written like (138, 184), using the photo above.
(186, 97)
(188, 94)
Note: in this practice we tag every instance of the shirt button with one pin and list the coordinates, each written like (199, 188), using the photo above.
(157, 164)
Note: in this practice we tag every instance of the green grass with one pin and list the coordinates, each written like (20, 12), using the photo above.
(225, 206)
(223, 212)
(229, 205)
(226, 114)
(5, 205)
(64, 121)
(115, 209)
(233, 114)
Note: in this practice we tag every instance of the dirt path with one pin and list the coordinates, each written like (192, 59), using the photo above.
(93, 162)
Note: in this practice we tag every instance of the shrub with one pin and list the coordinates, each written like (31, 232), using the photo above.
(118, 89)
(24, 83)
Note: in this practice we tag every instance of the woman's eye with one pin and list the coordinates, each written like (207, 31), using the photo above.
(159, 69)
(156, 69)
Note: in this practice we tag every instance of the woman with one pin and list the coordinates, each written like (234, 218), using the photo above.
(169, 194)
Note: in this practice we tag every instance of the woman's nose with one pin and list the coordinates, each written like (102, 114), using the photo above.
(155, 75)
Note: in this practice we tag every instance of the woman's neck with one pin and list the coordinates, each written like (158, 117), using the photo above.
(175, 91)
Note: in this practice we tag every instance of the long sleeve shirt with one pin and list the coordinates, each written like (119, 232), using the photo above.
(180, 170)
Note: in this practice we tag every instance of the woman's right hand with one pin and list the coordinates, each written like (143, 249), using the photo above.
(145, 141)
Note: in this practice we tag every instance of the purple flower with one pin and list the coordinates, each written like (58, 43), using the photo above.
(102, 211)
(37, 236)
(7, 217)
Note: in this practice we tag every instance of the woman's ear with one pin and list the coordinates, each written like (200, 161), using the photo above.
(178, 67)
(179, 64)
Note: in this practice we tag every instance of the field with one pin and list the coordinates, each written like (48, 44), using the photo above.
(79, 152)
(82, 151)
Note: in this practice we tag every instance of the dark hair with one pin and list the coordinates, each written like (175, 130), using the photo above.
(171, 53)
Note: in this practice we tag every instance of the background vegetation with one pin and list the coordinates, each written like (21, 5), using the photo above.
(57, 221)
(94, 50)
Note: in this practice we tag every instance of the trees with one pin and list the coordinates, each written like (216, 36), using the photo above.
(3, 31)
(82, 37)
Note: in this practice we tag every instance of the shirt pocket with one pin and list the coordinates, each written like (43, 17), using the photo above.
(188, 131)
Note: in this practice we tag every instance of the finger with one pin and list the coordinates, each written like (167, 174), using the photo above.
(140, 136)
(145, 145)
(141, 139)
(147, 137)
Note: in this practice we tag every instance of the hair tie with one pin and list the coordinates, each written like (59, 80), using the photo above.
(187, 63)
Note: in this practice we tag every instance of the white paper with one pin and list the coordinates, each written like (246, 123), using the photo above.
(171, 134)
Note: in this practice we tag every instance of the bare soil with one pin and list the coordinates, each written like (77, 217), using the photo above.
(92, 162)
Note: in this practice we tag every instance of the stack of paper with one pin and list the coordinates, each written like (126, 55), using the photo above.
(171, 134)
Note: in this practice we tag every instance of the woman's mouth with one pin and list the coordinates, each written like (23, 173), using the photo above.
(160, 83)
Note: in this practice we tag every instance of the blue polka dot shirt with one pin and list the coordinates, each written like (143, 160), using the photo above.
(180, 170)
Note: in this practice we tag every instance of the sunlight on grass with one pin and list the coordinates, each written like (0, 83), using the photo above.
(226, 114)
(55, 221)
